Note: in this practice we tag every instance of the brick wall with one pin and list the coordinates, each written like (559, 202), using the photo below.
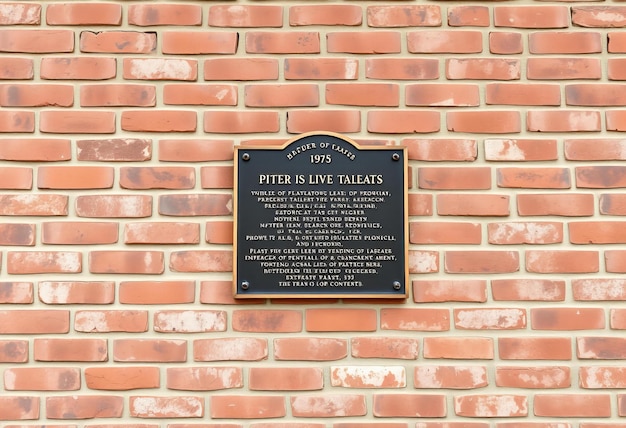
(118, 123)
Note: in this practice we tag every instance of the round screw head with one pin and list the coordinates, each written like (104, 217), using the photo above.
(395, 157)
(397, 285)
(245, 156)
(245, 285)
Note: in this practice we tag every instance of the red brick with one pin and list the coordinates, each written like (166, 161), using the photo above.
(122, 378)
(615, 120)
(601, 348)
(594, 149)
(310, 349)
(598, 289)
(602, 377)
(285, 379)
(79, 233)
(146, 15)
(617, 319)
(189, 321)
(572, 405)
(36, 41)
(216, 177)
(201, 261)
(84, 407)
(240, 122)
(403, 121)
(16, 178)
(280, 42)
(246, 16)
(234, 69)
(20, 14)
(368, 376)
(489, 319)
(535, 348)
(444, 41)
(532, 94)
(600, 177)
(562, 261)
(221, 292)
(473, 205)
(497, 149)
(616, 42)
(76, 292)
(404, 16)
(77, 122)
(563, 120)
(468, 16)
(118, 42)
(84, 14)
(290, 95)
(423, 261)
(35, 262)
(78, 68)
(531, 16)
(525, 233)
(13, 351)
(32, 95)
(205, 204)
(166, 407)
(267, 321)
(156, 292)
(341, 121)
(42, 379)
(113, 206)
(533, 377)
(160, 69)
(450, 377)
(528, 289)
(114, 150)
(196, 43)
(483, 69)
(204, 378)
(19, 408)
(442, 95)
(449, 291)
(597, 232)
(17, 121)
(16, 292)
(340, 319)
(16, 68)
(108, 321)
(615, 68)
(589, 94)
(117, 95)
(402, 68)
(615, 261)
(415, 319)
(126, 262)
(219, 232)
(559, 204)
(34, 205)
(387, 347)
(481, 261)
(328, 406)
(363, 94)
(75, 177)
(567, 318)
(150, 350)
(505, 43)
(325, 14)
(463, 348)
(187, 94)
(364, 42)
(230, 349)
(556, 42)
(451, 178)
(490, 406)
(441, 149)
(484, 122)
(563, 68)
(143, 178)
(534, 178)
(35, 149)
(247, 407)
(161, 233)
(444, 233)
(70, 350)
(612, 204)
(409, 405)
(195, 150)
(158, 121)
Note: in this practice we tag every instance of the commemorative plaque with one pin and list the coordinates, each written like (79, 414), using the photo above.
(320, 216)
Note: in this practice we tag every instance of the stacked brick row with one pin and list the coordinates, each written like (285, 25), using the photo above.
(118, 121)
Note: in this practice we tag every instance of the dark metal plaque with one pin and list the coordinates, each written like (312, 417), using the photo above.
(320, 216)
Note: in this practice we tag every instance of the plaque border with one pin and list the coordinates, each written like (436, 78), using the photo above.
(338, 295)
